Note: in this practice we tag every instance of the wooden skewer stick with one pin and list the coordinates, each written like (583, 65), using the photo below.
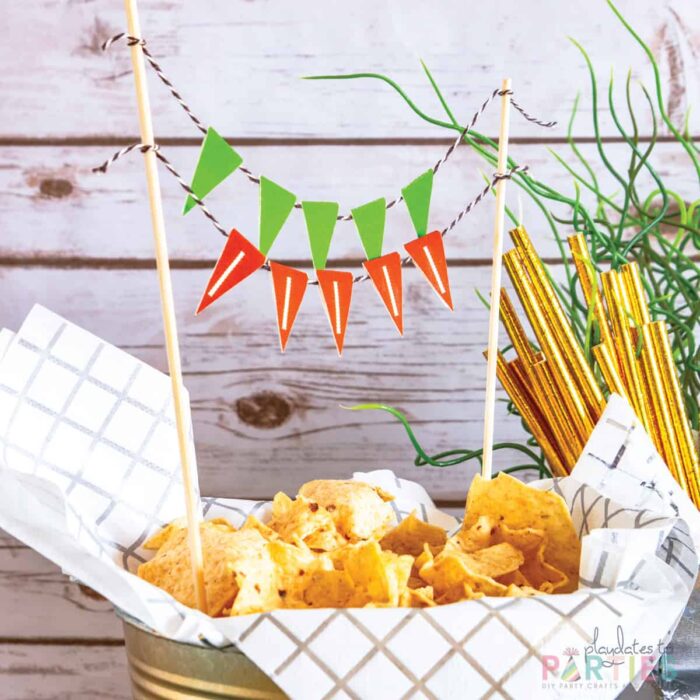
(492, 357)
(189, 476)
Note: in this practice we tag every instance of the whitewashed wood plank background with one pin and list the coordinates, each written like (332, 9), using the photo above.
(239, 63)
(80, 243)
(54, 208)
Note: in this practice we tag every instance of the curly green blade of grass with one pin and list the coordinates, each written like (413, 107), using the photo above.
(453, 457)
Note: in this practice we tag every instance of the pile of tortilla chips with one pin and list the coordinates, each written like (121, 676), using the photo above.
(337, 544)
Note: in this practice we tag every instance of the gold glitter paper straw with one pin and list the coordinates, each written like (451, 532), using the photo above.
(560, 327)
(632, 284)
(632, 307)
(568, 442)
(530, 414)
(515, 329)
(689, 454)
(538, 385)
(567, 388)
(609, 369)
(668, 444)
(592, 292)
(623, 342)
(551, 448)
(655, 419)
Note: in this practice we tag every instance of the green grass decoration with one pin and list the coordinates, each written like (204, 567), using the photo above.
(320, 219)
(452, 457)
(651, 224)
(370, 220)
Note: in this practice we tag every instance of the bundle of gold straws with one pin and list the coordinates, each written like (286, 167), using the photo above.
(555, 390)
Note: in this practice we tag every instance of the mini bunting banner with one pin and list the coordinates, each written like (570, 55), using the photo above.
(385, 273)
(320, 219)
(217, 160)
(417, 197)
(428, 254)
(239, 259)
(276, 204)
(336, 292)
(289, 285)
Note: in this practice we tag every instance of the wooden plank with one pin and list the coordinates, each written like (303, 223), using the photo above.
(39, 601)
(52, 206)
(266, 421)
(238, 63)
(74, 672)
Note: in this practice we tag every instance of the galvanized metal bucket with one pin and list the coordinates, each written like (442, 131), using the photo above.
(167, 670)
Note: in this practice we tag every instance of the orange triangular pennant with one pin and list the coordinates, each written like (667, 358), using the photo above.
(428, 254)
(386, 275)
(336, 292)
(239, 259)
(289, 286)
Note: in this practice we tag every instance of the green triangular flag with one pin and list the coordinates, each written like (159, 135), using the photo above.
(320, 223)
(276, 203)
(217, 160)
(370, 219)
(417, 198)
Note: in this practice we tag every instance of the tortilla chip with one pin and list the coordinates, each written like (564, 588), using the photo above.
(494, 561)
(515, 578)
(451, 570)
(541, 575)
(529, 541)
(161, 537)
(418, 598)
(425, 557)
(256, 591)
(379, 577)
(409, 536)
(360, 511)
(222, 524)
(519, 506)
(170, 567)
(255, 574)
(445, 572)
(384, 495)
(304, 520)
(522, 591)
(526, 539)
(293, 567)
(463, 591)
(252, 523)
(478, 536)
(398, 568)
(328, 589)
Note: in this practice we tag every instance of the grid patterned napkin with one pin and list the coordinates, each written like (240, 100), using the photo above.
(621, 461)
(89, 461)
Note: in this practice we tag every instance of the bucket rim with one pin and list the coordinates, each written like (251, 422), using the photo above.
(143, 627)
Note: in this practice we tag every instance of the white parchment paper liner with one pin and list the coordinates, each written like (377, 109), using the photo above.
(89, 462)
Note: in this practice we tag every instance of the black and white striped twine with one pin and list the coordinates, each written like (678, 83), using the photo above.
(144, 148)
